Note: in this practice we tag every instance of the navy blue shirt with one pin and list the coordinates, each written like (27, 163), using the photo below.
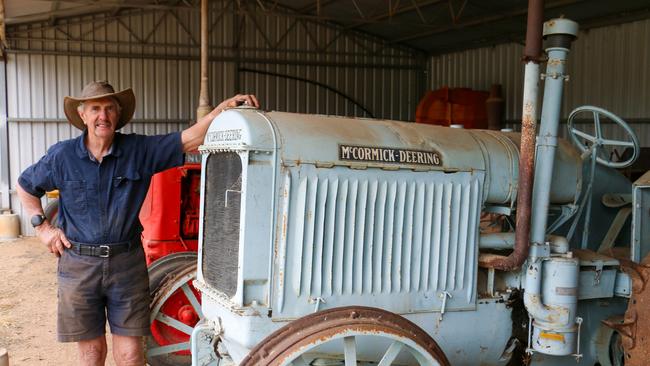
(99, 202)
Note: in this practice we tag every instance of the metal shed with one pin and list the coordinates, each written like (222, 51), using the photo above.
(362, 58)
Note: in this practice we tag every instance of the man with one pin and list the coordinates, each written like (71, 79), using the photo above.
(103, 177)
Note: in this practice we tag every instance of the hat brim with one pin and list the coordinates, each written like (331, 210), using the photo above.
(126, 98)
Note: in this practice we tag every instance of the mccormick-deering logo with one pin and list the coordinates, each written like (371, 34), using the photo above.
(223, 136)
(388, 155)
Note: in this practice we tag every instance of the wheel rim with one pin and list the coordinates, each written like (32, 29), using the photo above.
(175, 310)
(345, 336)
(400, 350)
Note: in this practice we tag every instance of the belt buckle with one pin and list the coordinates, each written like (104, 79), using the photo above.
(104, 251)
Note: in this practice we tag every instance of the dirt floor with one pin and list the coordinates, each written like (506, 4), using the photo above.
(28, 306)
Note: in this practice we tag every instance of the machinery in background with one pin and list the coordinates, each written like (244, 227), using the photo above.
(462, 107)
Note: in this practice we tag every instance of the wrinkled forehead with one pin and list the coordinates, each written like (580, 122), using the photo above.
(102, 102)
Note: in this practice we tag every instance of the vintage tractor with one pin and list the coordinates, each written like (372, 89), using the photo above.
(336, 241)
(170, 218)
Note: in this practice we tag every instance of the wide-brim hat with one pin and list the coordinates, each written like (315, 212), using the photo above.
(97, 90)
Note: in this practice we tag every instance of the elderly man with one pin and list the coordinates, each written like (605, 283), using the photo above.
(103, 177)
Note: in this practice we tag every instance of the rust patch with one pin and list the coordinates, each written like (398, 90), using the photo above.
(556, 62)
(635, 326)
(524, 198)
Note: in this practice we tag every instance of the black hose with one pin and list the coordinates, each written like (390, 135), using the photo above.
(325, 86)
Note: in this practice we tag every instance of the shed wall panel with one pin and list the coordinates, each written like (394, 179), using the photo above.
(292, 66)
(607, 68)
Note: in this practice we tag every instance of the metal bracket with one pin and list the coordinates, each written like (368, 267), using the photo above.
(554, 75)
(316, 301)
(599, 272)
(444, 295)
(490, 281)
(529, 349)
(578, 355)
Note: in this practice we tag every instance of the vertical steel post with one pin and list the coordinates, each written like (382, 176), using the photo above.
(4, 140)
(204, 97)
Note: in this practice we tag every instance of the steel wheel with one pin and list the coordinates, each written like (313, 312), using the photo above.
(348, 336)
(175, 309)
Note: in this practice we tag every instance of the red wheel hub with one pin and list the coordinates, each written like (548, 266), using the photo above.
(187, 315)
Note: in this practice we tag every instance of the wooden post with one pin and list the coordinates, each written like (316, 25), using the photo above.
(204, 97)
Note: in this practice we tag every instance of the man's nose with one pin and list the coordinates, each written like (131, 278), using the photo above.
(103, 114)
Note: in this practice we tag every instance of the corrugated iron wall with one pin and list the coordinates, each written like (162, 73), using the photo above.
(608, 68)
(292, 65)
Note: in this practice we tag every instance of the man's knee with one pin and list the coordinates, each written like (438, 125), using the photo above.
(92, 352)
(128, 351)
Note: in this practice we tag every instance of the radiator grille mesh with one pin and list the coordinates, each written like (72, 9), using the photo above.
(223, 187)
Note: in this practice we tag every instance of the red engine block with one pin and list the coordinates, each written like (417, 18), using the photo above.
(170, 212)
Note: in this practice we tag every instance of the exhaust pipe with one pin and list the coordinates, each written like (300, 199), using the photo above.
(532, 53)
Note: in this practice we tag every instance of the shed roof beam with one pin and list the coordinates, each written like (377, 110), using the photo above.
(89, 7)
(315, 5)
(393, 12)
(480, 21)
(53, 8)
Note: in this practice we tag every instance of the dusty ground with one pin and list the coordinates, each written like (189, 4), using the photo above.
(28, 306)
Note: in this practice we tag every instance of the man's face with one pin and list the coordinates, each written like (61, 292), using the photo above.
(100, 116)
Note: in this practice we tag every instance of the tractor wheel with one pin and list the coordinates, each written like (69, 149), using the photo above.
(175, 309)
(352, 335)
(52, 212)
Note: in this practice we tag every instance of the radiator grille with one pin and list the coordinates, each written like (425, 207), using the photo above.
(223, 172)
(377, 232)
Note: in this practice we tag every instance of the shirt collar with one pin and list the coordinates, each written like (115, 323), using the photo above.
(82, 150)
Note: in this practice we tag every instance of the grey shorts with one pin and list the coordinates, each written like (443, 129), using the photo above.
(92, 289)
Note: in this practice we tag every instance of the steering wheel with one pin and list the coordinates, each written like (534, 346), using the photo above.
(598, 140)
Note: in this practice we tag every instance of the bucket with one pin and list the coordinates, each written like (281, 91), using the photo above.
(9, 227)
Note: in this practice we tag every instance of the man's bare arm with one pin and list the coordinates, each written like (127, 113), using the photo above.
(53, 237)
(192, 137)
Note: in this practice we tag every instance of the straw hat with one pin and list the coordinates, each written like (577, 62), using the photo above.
(97, 90)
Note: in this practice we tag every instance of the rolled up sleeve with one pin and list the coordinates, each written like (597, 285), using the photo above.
(39, 177)
(165, 151)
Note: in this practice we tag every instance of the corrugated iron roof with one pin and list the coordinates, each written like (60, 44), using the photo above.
(432, 26)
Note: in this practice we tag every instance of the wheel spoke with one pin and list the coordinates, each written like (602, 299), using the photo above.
(422, 360)
(391, 354)
(617, 143)
(193, 300)
(300, 361)
(597, 125)
(350, 351)
(168, 320)
(157, 351)
(584, 135)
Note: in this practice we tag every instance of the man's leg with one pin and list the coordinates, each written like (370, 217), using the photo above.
(92, 352)
(128, 350)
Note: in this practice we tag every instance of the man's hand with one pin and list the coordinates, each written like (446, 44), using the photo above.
(53, 238)
(236, 101)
